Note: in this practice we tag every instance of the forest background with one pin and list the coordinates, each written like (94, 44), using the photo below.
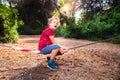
(81, 19)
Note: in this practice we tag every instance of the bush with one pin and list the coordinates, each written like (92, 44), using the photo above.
(62, 31)
(100, 27)
(8, 24)
(116, 41)
(33, 28)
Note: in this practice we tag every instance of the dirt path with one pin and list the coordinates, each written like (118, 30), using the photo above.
(100, 61)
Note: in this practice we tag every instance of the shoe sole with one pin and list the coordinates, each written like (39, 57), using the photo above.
(51, 68)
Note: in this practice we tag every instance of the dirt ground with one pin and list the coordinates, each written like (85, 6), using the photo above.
(99, 61)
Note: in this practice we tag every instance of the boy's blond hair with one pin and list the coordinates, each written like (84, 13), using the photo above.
(52, 18)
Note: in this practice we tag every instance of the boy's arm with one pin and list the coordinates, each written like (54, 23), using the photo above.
(62, 50)
(52, 38)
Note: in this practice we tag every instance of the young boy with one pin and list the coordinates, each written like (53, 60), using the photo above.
(47, 43)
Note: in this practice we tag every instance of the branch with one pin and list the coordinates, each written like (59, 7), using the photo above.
(62, 15)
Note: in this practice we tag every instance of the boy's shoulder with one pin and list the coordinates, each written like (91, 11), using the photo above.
(48, 29)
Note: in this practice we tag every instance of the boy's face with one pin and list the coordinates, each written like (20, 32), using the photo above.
(54, 24)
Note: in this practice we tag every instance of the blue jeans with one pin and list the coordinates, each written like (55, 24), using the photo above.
(49, 48)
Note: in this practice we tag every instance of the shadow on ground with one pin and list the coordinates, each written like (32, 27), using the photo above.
(38, 73)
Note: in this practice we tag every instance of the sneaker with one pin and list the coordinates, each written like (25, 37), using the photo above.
(52, 65)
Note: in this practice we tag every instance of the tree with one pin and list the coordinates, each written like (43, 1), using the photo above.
(92, 7)
(58, 9)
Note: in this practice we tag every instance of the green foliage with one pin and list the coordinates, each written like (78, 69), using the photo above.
(55, 13)
(100, 27)
(33, 28)
(116, 41)
(35, 14)
(62, 31)
(8, 24)
(63, 1)
(71, 30)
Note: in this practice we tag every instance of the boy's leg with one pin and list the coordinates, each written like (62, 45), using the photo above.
(53, 50)
(50, 48)
(54, 53)
(51, 62)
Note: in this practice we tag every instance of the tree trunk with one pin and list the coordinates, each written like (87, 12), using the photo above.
(61, 14)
